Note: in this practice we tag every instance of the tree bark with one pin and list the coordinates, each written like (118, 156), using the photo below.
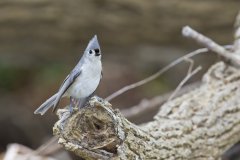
(201, 124)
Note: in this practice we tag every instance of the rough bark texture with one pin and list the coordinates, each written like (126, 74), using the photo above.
(201, 124)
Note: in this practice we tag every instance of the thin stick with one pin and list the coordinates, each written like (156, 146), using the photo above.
(191, 64)
(145, 105)
(210, 44)
(157, 74)
(154, 103)
(48, 148)
(237, 34)
(189, 75)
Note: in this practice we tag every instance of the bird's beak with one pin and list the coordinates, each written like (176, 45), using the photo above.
(97, 54)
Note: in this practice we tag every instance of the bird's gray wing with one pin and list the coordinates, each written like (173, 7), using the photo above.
(65, 85)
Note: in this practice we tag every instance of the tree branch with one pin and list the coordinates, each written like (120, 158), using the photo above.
(147, 105)
(190, 73)
(155, 75)
(201, 124)
(210, 44)
(237, 34)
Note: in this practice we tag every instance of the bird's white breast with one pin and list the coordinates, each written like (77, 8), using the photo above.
(87, 82)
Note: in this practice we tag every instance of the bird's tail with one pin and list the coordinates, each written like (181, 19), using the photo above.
(46, 105)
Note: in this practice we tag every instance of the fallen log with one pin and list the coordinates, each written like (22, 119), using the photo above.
(200, 124)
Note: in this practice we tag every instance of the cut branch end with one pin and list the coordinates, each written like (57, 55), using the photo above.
(92, 131)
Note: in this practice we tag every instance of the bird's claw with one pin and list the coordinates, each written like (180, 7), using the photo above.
(63, 119)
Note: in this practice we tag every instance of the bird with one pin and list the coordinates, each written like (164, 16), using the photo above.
(82, 81)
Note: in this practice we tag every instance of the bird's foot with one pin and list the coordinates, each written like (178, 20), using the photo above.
(63, 118)
(81, 103)
(73, 103)
(71, 108)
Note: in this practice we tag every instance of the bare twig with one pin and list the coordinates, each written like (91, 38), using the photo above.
(191, 64)
(157, 74)
(210, 44)
(20, 152)
(154, 103)
(237, 34)
(48, 148)
(188, 76)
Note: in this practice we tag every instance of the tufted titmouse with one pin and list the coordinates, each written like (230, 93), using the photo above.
(83, 80)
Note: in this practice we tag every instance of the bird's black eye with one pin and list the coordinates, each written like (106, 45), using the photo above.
(90, 51)
(96, 50)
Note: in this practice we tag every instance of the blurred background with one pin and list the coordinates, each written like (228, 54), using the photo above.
(42, 40)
